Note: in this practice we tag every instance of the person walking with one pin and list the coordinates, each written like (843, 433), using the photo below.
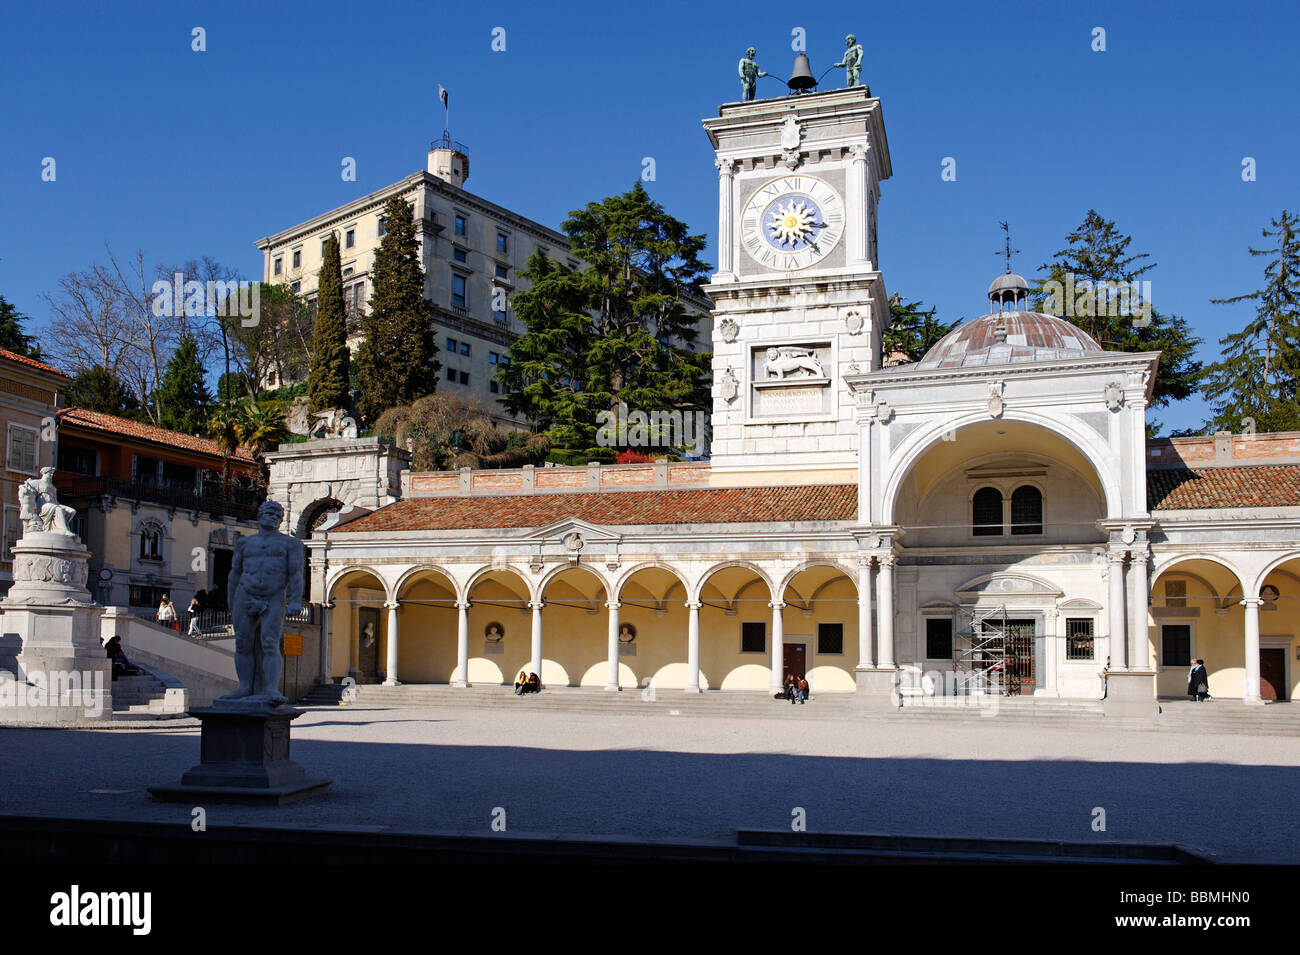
(1198, 682)
(167, 613)
(193, 613)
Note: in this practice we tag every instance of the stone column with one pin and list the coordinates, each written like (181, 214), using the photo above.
(462, 643)
(778, 643)
(611, 681)
(726, 216)
(693, 648)
(1250, 688)
(326, 643)
(390, 676)
(1139, 656)
(885, 603)
(536, 665)
(855, 203)
(865, 659)
(1118, 640)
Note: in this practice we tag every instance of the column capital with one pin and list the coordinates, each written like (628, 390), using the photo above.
(693, 605)
(726, 166)
(887, 559)
(1139, 555)
(392, 604)
(1251, 601)
(1116, 555)
(776, 604)
(859, 151)
(864, 561)
(612, 604)
(463, 604)
(536, 604)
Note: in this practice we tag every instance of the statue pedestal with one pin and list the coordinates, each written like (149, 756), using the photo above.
(1131, 695)
(877, 689)
(244, 758)
(50, 641)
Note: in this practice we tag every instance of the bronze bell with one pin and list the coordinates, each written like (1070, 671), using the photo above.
(801, 79)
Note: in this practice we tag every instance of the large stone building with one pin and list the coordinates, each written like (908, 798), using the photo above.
(991, 515)
(30, 393)
(471, 250)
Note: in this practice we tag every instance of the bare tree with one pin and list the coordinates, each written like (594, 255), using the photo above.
(88, 327)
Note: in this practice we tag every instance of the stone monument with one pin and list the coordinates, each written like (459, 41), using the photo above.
(53, 668)
(244, 751)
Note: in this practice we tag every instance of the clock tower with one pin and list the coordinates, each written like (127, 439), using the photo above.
(799, 301)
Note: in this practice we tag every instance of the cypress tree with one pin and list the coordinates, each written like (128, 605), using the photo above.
(396, 361)
(913, 330)
(98, 389)
(182, 397)
(11, 332)
(1259, 375)
(327, 381)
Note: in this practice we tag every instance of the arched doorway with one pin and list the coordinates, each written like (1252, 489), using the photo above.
(821, 627)
(737, 628)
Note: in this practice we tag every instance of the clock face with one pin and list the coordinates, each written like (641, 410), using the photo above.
(792, 222)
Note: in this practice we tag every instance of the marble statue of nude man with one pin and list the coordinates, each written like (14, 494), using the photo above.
(265, 583)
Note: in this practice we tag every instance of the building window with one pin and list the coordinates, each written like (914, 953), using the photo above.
(504, 360)
(76, 460)
(753, 637)
(502, 272)
(23, 444)
(1078, 638)
(451, 375)
(322, 248)
(13, 531)
(297, 258)
(460, 255)
(460, 225)
(150, 543)
(458, 290)
(464, 378)
(383, 227)
(830, 638)
(492, 357)
(500, 315)
(938, 638)
(350, 238)
(451, 345)
(494, 387)
(146, 596)
(1176, 645)
(278, 267)
(464, 348)
(986, 513)
(296, 287)
(503, 242)
(1175, 593)
(1027, 510)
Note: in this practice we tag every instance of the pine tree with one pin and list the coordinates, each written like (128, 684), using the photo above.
(1096, 261)
(1259, 376)
(327, 381)
(11, 332)
(97, 389)
(912, 330)
(182, 397)
(617, 332)
(397, 360)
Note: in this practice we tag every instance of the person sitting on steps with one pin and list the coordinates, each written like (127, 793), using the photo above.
(521, 683)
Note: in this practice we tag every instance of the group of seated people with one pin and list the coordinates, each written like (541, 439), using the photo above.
(527, 683)
(795, 690)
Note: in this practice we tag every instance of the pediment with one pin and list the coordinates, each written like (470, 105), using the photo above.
(561, 531)
(1009, 585)
(1080, 603)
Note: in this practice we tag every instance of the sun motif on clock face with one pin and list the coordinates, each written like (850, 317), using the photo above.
(792, 222)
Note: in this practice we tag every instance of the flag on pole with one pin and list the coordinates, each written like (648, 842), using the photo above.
(442, 96)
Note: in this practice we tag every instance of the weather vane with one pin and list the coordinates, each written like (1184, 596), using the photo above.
(1007, 250)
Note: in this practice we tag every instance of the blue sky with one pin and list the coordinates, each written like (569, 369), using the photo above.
(184, 154)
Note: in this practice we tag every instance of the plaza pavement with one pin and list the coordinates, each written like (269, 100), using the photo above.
(666, 777)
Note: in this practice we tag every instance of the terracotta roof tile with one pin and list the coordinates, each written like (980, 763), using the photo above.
(1266, 485)
(32, 362)
(835, 502)
(111, 424)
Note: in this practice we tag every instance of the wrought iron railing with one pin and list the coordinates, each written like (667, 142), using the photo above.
(212, 497)
(213, 622)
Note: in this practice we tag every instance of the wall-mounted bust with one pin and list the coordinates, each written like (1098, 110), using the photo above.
(494, 632)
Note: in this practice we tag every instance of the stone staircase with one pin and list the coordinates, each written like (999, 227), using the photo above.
(738, 704)
(151, 694)
(1229, 717)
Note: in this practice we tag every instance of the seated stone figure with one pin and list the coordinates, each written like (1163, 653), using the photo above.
(39, 506)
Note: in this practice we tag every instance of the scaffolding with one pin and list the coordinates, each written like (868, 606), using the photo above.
(979, 652)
